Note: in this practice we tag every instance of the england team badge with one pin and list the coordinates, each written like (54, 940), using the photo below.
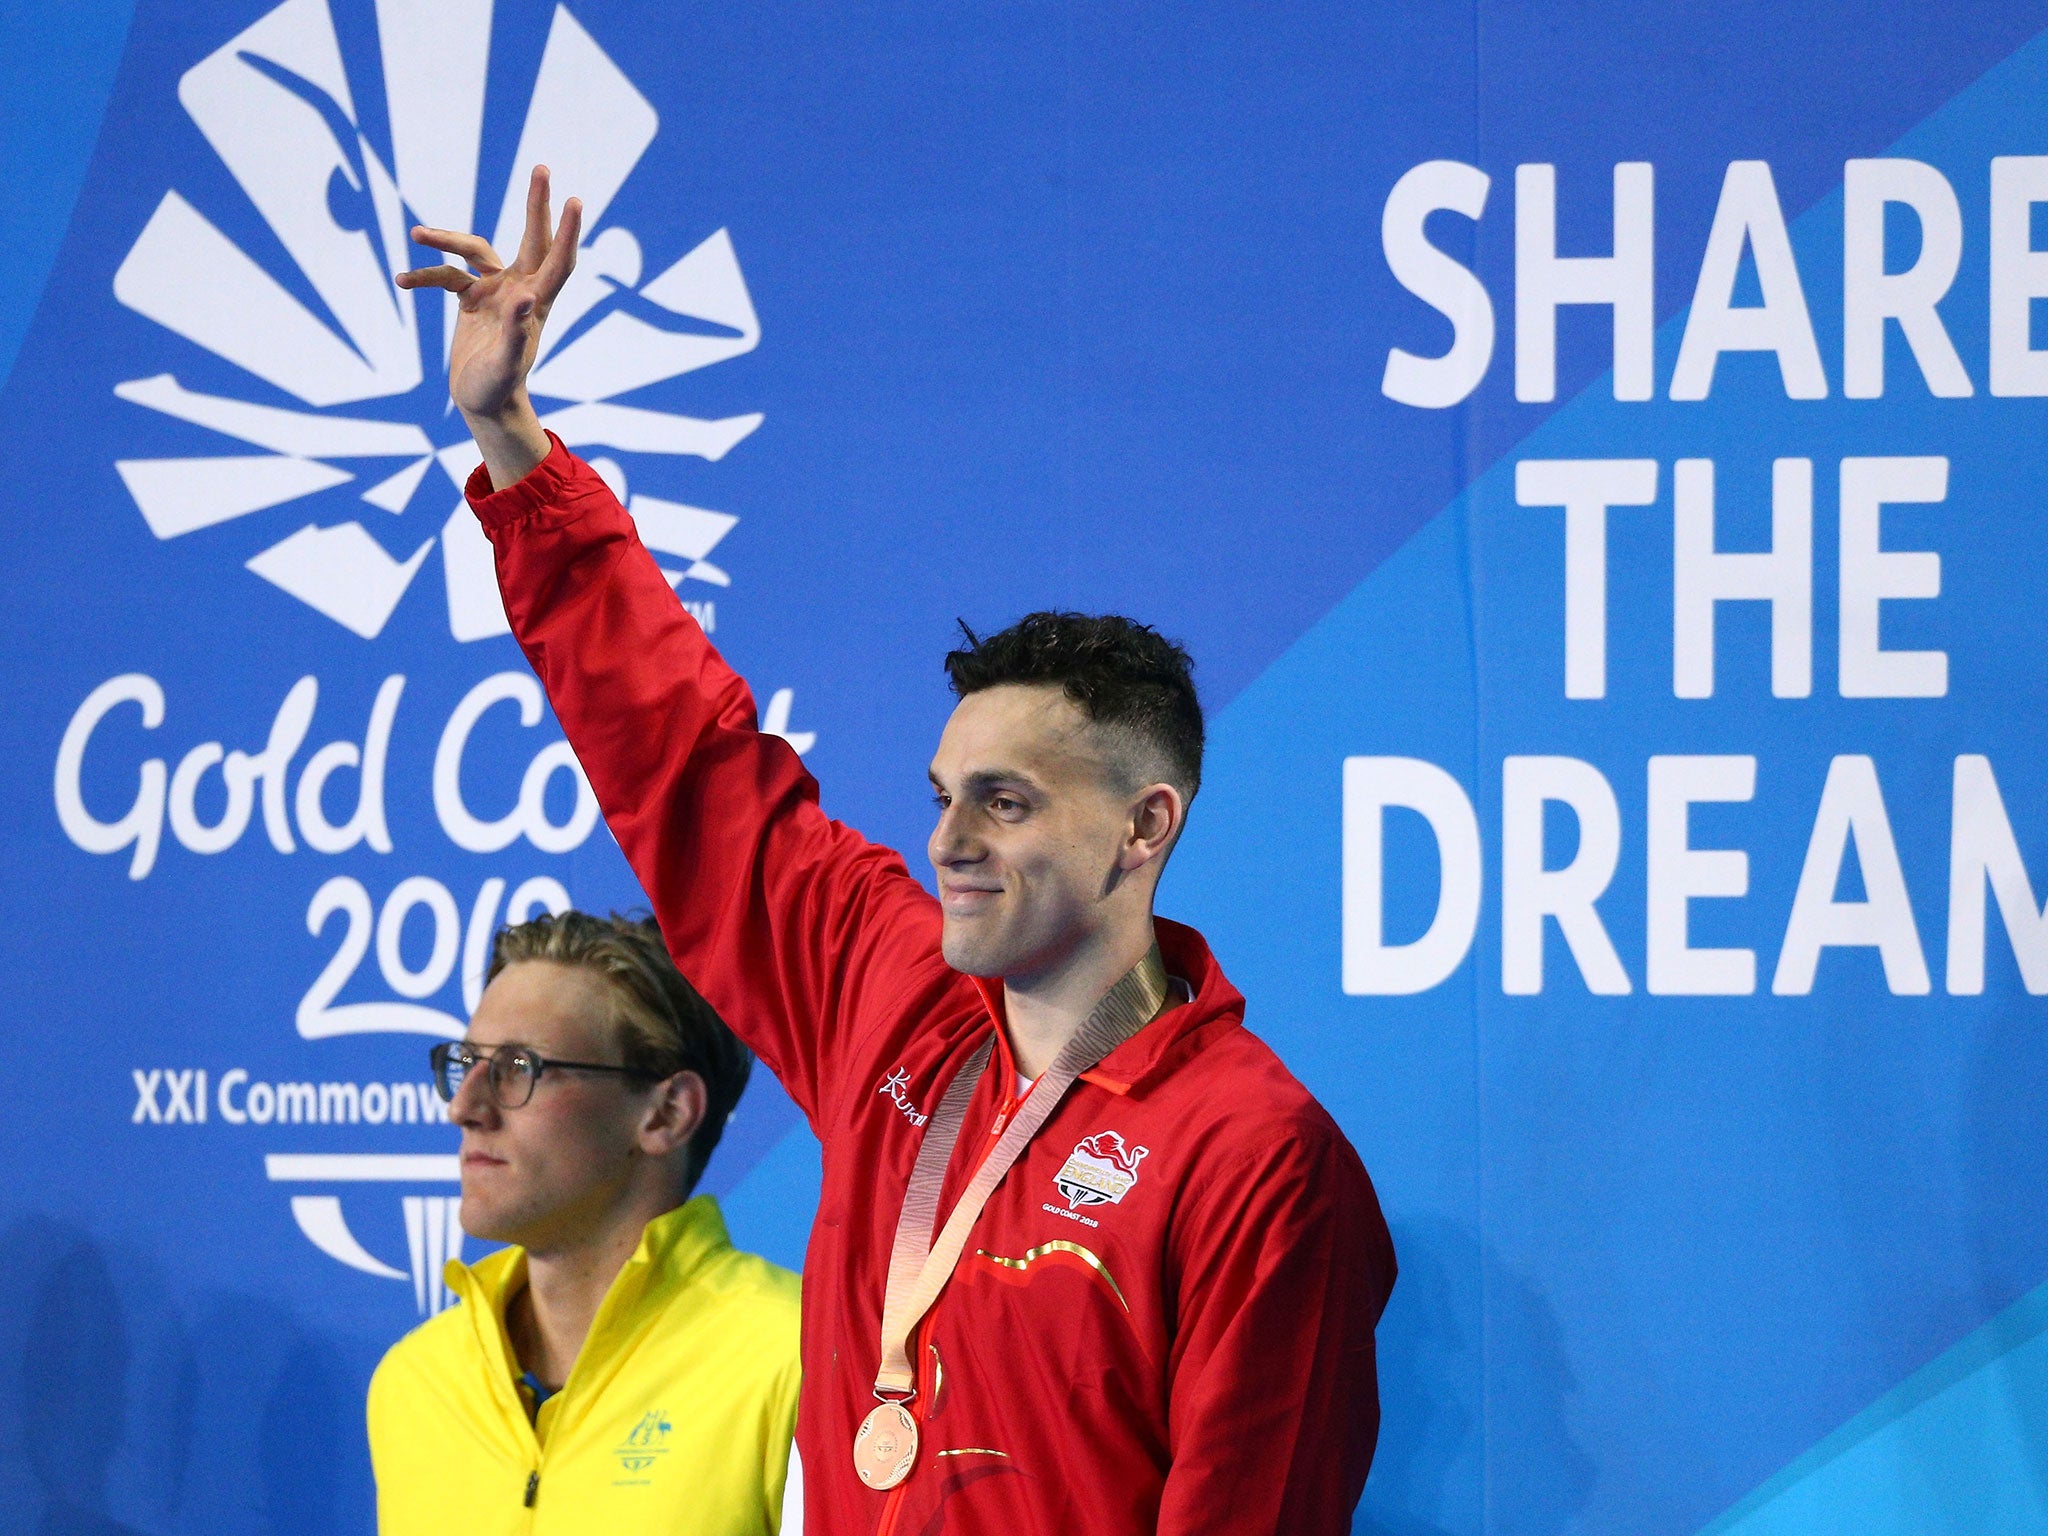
(1099, 1171)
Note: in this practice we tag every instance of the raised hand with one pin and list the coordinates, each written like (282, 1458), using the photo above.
(500, 312)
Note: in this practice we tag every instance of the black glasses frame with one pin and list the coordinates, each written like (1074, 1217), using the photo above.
(442, 1056)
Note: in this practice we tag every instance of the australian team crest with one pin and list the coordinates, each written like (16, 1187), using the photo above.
(645, 1445)
(1100, 1170)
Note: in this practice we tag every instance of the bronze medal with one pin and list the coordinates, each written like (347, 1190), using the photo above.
(886, 1446)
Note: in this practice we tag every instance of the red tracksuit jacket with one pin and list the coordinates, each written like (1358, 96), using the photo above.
(1163, 1320)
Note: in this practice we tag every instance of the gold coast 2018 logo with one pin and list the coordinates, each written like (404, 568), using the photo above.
(329, 329)
(304, 397)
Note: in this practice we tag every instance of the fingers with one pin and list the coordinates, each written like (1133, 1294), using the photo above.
(453, 279)
(533, 246)
(561, 258)
(473, 249)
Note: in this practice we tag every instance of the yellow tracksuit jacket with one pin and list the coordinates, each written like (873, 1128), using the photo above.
(676, 1417)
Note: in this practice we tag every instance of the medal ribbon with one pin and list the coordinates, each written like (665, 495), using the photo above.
(920, 1268)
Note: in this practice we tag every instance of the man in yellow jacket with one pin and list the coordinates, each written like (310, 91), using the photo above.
(621, 1366)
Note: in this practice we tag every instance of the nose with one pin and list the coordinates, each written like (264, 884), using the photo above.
(952, 841)
(473, 1108)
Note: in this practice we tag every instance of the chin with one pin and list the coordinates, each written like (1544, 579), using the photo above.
(484, 1223)
(974, 954)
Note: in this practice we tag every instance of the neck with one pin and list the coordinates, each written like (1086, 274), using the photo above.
(1045, 1012)
(550, 1318)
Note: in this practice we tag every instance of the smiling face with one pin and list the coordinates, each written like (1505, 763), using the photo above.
(1034, 847)
(555, 1170)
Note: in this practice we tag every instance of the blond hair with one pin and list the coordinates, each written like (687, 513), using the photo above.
(664, 1026)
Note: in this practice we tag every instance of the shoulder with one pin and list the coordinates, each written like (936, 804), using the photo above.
(1249, 1104)
(1272, 1170)
(439, 1341)
(747, 1280)
(734, 1332)
(437, 1351)
(1261, 1146)
(748, 1302)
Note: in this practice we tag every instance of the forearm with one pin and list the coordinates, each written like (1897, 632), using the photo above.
(769, 908)
(511, 439)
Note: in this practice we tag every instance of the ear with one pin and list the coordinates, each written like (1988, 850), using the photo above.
(674, 1114)
(1155, 820)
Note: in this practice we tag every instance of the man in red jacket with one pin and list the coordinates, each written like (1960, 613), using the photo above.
(1088, 1259)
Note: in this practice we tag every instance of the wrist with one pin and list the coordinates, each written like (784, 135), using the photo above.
(511, 439)
(515, 410)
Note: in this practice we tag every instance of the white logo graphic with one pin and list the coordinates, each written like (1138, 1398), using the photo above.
(339, 376)
(897, 1088)
(433, 1232)
(1100, 1170)
(331, 330)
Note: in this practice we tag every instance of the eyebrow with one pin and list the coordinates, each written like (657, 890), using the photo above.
(985, 779)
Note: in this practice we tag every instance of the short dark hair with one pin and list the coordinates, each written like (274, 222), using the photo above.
(1124, 675)
(664, 1024)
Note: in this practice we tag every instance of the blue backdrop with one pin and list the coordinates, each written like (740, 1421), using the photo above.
(1665, 928)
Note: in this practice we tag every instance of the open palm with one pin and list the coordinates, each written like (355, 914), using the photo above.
(501, 308)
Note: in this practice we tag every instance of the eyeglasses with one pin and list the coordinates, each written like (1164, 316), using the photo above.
(510, 1071)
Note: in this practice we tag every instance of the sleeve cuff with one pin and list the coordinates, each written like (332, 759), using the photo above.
(542, 486)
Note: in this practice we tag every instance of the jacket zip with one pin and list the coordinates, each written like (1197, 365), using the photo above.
(532, 1487)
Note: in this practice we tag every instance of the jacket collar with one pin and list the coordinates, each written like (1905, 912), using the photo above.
(1169, 1039)
(674, 1250)
(677, 1244)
